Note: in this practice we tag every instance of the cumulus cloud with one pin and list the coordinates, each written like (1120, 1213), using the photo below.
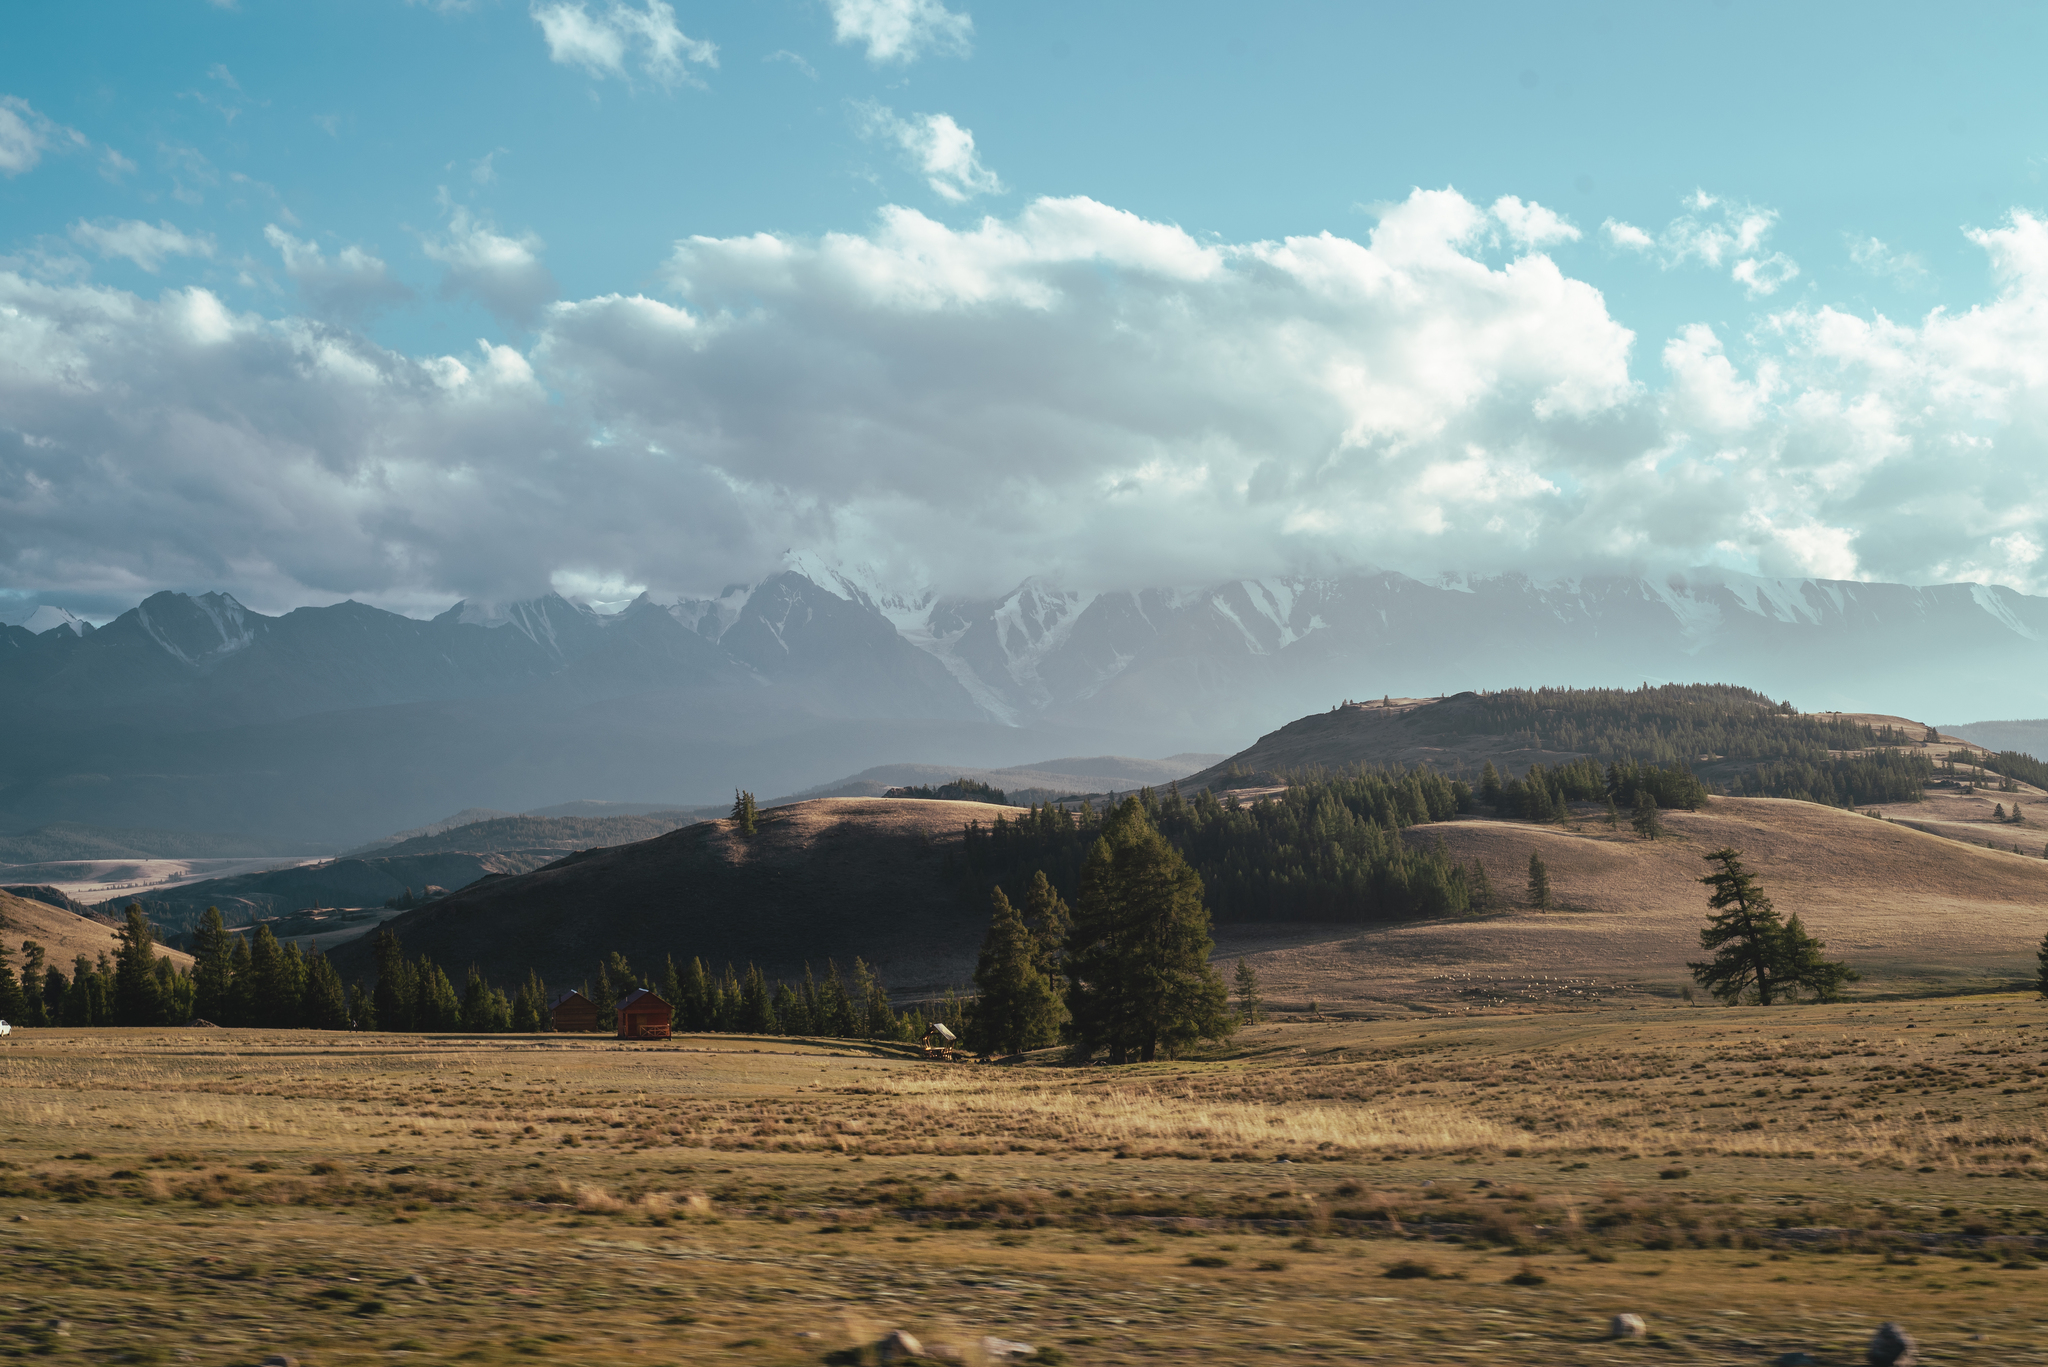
(1874, 255)
(139, 242)
(26, 134)
(902, 30)
(602, 41)
(1715, 233)
(939, 148)
(1531, 225)
(352, 285)
(1071, 390)
(504, 274)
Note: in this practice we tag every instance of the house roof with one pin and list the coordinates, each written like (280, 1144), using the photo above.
(641, 997)
(561, 997)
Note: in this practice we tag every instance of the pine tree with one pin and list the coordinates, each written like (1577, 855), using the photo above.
(397, 985)
(1251, 1007)
(13, 1002)
(362, 1011)
(138, 998)
(1481, 897)
(2041, 979)
(875, 1018)
(835, 1008)
(530, 1005)
(695, 1006)
(272, 1004)
(35, 976)
(1539, 882)
(1801, 965)
(1049, 920)
(1647, 823)
(1018, 1008)
(439, 1008)
(213, 967)
(789, 1011)
(1998, 811)
(78, 997)
(1138, 955)
(325, 1003)
(757, 1004)
(1489, 785)
(745, 818)
(1613, 814)
(1743, 931)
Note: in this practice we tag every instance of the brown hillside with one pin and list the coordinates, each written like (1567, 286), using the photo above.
(1912, 911)
(63, 934)
(1377, 733)
(829, 878)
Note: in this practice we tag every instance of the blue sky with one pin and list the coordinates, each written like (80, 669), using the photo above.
(408, 182)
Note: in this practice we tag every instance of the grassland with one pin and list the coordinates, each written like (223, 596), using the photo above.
(1751, 1181)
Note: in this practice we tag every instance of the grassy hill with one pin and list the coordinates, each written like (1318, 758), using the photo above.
(561, 834)
(64, 934)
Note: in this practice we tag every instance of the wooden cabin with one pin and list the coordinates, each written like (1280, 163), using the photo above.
(642, 1015)
(572, 1011)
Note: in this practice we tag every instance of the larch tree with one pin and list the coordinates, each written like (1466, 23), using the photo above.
(1251, 1007)
(2041, 978)
(745, 817)
(1743, 933)
(213, 968)
(1017, 1008)
(138, 997)
(1137, 961)
(1802, 966)
(1647, 823)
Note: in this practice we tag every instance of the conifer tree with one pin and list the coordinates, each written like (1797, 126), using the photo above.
(325, 1003)
(79, 1006)
(176, 989)
(397, 986)
(35, 991)
(835, 1008)
(13, 1002)
(1017, 1009)
(1743, 932)
(790, 1018)
(695, 1006)
(757, 1004)
(1613, 814)
(242, 985)
(439, 1009)
(1138, 955)
(213, 967)
(1251, 1007)
(744, 816)
(1539, 882)
(138, 998)
(1048, 919)
(2041, 978)
(1481, 897)
(530, 1005)
(1489, 785)
(1802, 966)
(874, 1017)
(271, 1004)
(1647, 823)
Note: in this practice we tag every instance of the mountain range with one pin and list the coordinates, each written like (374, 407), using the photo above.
(335, 724)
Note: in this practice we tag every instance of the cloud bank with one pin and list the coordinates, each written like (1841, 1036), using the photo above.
(1072, 390)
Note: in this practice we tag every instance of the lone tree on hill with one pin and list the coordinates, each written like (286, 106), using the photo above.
(1138, 974)
(743, 814)
(1018, 1009)
(1251, 1006)
(1753, 949)
(1539, 882)
(1646, 821)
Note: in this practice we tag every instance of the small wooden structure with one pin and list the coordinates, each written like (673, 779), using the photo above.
(938, 1041)
(572, 1011)
(642, 1015)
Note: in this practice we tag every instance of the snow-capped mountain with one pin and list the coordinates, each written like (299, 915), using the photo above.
(197, 713)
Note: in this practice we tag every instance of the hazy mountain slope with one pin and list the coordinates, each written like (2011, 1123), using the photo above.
(69, 840)
(833, 878)
(1053, 776)
(2027, 737)
(249, 897)
(558, 835)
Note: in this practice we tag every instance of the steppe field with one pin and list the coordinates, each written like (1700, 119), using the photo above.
(1483, 1188)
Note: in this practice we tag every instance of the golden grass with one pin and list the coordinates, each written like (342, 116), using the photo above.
(214, 1196)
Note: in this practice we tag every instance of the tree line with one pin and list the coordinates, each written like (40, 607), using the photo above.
(136, 986)
(1671, 722)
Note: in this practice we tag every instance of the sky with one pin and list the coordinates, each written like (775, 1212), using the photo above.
(415, 302)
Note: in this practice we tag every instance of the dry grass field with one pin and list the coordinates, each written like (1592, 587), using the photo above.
(1753, 1182)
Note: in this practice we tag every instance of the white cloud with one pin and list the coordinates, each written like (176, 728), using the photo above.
(26, 134)
(139, 242)
(504, 274)
(601, 42)
(902, 30)
(794, 59)
(1874, 255)
(939, 148)
(352, 285)
(1716, 233)
(1627, 235)
(1070, 389)
(1531, 225)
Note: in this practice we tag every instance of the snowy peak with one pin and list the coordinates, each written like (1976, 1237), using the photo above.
(50, 617)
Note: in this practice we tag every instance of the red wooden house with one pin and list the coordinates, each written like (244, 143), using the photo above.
(642, 1015)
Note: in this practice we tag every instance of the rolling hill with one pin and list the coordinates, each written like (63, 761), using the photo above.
(64, 934)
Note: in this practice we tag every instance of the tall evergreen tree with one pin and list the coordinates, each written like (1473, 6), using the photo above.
(530, 1005)
(1017, 1009)
(242, 985)
(1539, 882)
(1743, 932)
(2041, 978)
(835, 1007)
(1481, 897)
(35, 1009)
(324, 1006)
(397, 985)
(1138, 956)
(694, 1008)
(138, 997)
(13, 1001)
(745, 818)
(1647, 823)
(873, 1017)
(1049, 920)
(1613, 814)
(1489, 785)
(362, 1010)
(757, 1004)
(1251, 1007)
(213, 968)
(272, 1003)
(439, 1008)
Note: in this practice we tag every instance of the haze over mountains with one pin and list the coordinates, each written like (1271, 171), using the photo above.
(341, 723)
